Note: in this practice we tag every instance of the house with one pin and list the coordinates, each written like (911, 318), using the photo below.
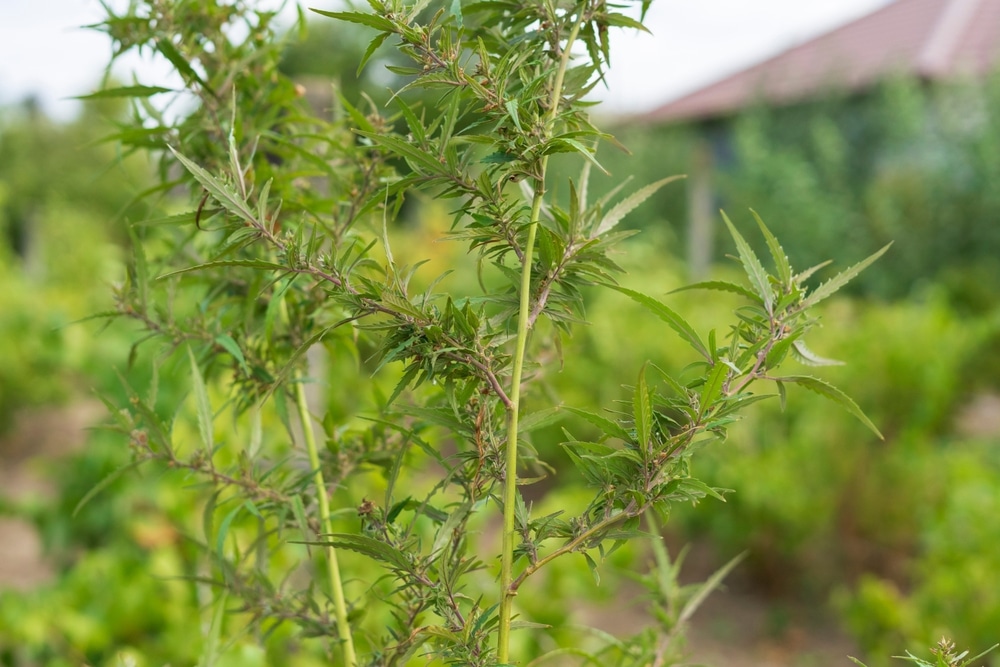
(932, 40)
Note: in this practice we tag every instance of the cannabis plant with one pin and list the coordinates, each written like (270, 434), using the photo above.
(278, 240)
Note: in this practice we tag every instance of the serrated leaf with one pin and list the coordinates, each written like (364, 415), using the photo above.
(642, 411)
(720, 286)
(713, 387)
(833, 284)
(373, 45)
(693, 486)
(827, 390)
(625, 206)
(126, 91)
(777, 252)
(807, 356)
(499, 157)
(243, 263)
(675, 321)
(539, 419)
(205, 416)
(607, 426)
(754, 269)
(804, 275)
(368, 546)
(564, 144)
(361, 18)
(222, 193)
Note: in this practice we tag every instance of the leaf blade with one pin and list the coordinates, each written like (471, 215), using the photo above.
(827, 390)
(675, 321)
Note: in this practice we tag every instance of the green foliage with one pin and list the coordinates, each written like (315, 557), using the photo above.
(944, 656)
(840, 176)
(55, 238)
(368, 527)
(910, 162)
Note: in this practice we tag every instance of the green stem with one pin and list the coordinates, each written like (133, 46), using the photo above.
(326, 526)
(507, 588)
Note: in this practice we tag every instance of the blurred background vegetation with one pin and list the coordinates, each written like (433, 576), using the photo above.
(896, 538)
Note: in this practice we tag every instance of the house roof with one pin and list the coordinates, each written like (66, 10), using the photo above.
(932, 39)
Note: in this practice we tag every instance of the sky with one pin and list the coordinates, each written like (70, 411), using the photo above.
(45, 53)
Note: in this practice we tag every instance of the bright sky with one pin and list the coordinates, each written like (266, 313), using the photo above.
(44, 52)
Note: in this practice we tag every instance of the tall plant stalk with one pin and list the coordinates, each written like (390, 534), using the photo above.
(507, 589)
(326, 525)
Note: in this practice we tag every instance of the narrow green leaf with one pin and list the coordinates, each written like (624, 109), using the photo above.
(227, 342)
(249, 506)
(777, 252)
(220, 539)
(208, 516)
(373, 45)
(539, 419)
(361, 18)
(210, 653)
(567, 145)
(451, 524)
(804, 275)
(205, 416)
(827, 390)
(368, 546)
(126, 91)
(713, 387)
(754, 269)
(170, 52)
(833, 284)
(299, 511)
(499, 157)
(710, 584)
(607, 426)
(222, 193)
(675, 321)
(242, 263)
(696, 487)
(721, 286)
(592, 564)
(807, 356)
(642, 411)
(141, 267)
(511, 107)
(103, 484)
(403, 383)
(625, 206)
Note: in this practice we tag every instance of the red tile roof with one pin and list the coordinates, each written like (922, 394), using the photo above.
(932, 39)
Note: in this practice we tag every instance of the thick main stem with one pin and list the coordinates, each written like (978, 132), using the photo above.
(333, 568)
(507, 589)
